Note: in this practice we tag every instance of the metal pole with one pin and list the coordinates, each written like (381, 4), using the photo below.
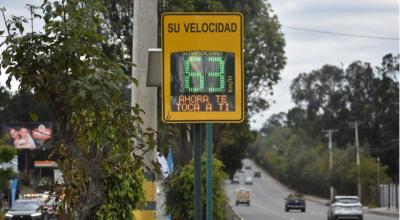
(135, 51)
(379, 160)
(378, 188)
(388, 187)
(358, 161)
(330, 162)
(397, 195)
(197, 172)
(209, 136)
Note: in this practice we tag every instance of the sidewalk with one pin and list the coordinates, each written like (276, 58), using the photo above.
(316, 199)
(393, 212)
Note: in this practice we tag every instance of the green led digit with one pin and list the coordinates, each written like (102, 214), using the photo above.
(218, 74)
(194, 76)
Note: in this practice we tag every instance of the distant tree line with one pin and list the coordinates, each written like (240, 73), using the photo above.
(15, 107)
(294, 147)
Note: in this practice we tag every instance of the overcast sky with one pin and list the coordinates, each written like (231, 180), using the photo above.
(307, 50)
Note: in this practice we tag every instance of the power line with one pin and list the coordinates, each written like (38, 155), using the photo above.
(333, 33)
(340, 34)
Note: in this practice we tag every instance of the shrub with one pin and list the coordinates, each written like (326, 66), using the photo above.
(179, 191)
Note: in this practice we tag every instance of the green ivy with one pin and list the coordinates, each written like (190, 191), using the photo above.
(179, 191)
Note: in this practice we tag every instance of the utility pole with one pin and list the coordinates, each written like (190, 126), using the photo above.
(330, 132)
(144, 38)
(358, 159)
(378, 188)
(379, 160)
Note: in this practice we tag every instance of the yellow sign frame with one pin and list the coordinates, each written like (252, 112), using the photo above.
(227, 41)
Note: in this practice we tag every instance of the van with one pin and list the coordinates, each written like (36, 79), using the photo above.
(242, 196)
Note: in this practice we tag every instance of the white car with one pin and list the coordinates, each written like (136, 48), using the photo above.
(235, 180)
(26, 209)
(345, 207)
(248, 181)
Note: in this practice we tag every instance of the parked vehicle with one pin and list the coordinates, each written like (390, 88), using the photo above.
(247, 167)
(345, 207)
(242, 196)
(295, 202)
(26, 209)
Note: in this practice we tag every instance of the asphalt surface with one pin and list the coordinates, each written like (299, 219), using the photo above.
(267, 200)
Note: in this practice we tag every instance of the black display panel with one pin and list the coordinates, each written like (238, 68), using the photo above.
(202, 81)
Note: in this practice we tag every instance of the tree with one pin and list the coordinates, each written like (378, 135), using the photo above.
(5, 97)
(7, 153)
(99, 134)
(118, 16)
(180, 192)
(231, 141)
(274, 121)
(19, 107)
(386, 102)
(333, 97)
(321, 94)
(297, 118)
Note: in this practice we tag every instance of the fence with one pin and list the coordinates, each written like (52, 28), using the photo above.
(389, 195)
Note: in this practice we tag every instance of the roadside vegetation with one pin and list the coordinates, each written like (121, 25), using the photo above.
(7, 153)
(293, 145)
(98, 132)
(179, 191)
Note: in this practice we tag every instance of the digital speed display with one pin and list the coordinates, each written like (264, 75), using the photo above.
(202, 81)
(202, 67)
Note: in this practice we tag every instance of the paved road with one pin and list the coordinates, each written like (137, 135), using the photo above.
(268, 201)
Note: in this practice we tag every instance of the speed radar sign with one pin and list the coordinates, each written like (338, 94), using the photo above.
(202, 67)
